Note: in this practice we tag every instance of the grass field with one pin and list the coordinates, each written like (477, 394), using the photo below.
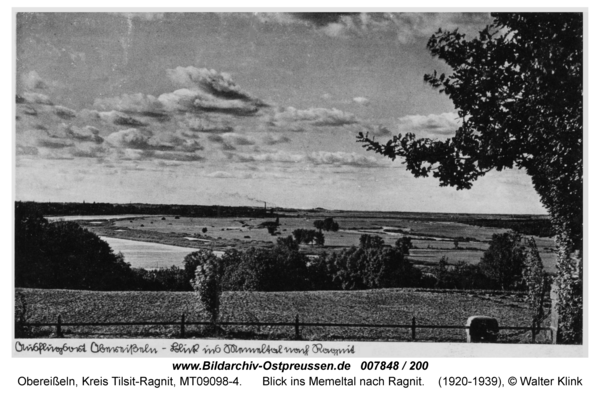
(390, 306)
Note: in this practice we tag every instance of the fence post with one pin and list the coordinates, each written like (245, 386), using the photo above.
(297, 327)
(183, 325)
(59, 333)
(533, 331)
(414, 328)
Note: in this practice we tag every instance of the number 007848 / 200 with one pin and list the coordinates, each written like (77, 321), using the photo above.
(381, 365)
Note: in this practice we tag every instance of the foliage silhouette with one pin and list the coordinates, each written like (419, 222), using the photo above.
(518, 89)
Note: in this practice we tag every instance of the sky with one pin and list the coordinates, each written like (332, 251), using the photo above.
(238, 109)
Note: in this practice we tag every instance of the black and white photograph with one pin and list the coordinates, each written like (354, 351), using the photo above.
(347, 177)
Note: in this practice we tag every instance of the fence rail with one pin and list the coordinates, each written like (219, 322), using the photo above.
(534, 328)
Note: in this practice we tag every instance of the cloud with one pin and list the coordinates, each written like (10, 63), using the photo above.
(342, 158)
(36, 98)
(145, 105)
(315, 116)
(172, 156)
(30, 111)
(89, 151)
(275, 139)
(380, 130)
(53, 142)
(405, 27)
(361, 101)
(186, 100)
(90, 115)
(144, 16)
(27, 150)
(145, 140)
(210, 81)
(321, 19)
(215, 138)
(314, 158)
(229, 141)
(202, 91)
(196, 124)
(432, 125)
(32, 81)
(220, 175)
(85, 134)
(64, 112)
(135, 139)
(118, 118)
(238, 140)
(42, 139)
(279, 156)
(210, 91)
(411, 26)
(227, 146)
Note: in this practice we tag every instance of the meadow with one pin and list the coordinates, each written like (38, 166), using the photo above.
(432, 237)
(384, 306)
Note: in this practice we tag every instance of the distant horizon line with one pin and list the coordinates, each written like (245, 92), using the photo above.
(318, 208)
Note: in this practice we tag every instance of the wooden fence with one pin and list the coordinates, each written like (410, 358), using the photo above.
(297, 324)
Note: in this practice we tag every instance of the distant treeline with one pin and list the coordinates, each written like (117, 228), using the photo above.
(92, 209)
(536, 227)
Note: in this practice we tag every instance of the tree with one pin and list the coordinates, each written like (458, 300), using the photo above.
(362, 268)
(308, 236)
(281, 268)
(404, 243)
(330, 225)
(371, 241)
(319, 225)
(504, 260)
(63, 255)
(319, 239)
(518, 89)
(288, 242)
(207, 282)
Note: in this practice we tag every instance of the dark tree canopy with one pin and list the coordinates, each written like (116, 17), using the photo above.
(518, 89)
(504, 260)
